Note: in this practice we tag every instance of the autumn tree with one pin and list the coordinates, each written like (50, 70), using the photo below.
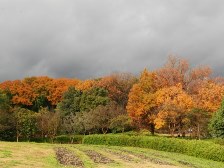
(86, 85)
(36, 92)
(178, 71)
(141, 105)
(118, 86)
(210, 96)
(40, 86)
(22, 93)
(205, 91)
(174, 104)
(58, 87)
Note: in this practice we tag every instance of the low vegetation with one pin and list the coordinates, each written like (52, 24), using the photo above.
(203, 149)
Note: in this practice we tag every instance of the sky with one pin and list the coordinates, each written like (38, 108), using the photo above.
(91, 38)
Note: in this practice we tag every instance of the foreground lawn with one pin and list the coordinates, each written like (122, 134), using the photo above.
(35, 155)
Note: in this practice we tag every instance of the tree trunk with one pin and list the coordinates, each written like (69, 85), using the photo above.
(17, 136)
(183, 134)
(152, 129)
(104, 130)
(172, 129)
(198, 132)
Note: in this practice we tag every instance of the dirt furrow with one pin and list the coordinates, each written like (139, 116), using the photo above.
(66, 157)
(97, 157)
(120, 154)
(148, 158)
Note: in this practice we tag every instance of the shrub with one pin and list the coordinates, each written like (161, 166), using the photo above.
(38, 140)
(71, 139)
(197, 148)
(219, 141)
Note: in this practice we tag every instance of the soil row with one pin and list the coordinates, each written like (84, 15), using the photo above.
(120, 154)
(67, 157)
(148, 158)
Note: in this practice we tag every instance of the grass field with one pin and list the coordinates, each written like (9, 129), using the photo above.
(35, 155)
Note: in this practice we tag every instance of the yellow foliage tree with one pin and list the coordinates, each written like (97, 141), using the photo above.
(141, 103)
(174, 103)
(210, 96)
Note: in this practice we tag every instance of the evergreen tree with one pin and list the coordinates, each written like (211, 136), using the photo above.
(217, 122)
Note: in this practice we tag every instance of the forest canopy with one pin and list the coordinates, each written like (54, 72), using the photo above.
(175, 99)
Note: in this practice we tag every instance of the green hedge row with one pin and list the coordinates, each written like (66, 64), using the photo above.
(69, 139)
(198, 148)
(63, 139)
(218, 141)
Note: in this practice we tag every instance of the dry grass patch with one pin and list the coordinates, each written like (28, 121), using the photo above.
(27, 155)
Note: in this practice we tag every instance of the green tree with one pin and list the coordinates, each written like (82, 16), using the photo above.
(120, 123)
(93, 98)
(4, 101)
(196, 122)
(97, 120)
(77, 101)
(48, 123)
(25, 123)
(71, 102)
(6, 123)
(100, 118)
(217, 122)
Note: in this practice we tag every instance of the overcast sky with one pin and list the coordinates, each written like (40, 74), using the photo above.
(91, 38)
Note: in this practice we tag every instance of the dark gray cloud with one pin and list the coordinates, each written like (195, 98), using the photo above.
(90, 38)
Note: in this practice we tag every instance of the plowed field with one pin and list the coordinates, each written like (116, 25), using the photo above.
(34, 155)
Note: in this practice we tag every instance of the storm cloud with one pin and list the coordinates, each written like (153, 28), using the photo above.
(91, 38)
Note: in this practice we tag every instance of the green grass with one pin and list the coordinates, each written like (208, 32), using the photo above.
(5, 153)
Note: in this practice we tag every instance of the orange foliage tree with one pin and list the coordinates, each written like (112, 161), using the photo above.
(26, 92)
(174, 104)
(86, 85)
(58, 87)
(118, 86)
(210, 96)
(22, 92)
(141, 105)
(177, 71)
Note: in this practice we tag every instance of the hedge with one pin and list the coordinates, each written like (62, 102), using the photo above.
(197, 148)
(69, 139)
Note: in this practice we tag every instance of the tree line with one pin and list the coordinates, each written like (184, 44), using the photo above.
(174, 99)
